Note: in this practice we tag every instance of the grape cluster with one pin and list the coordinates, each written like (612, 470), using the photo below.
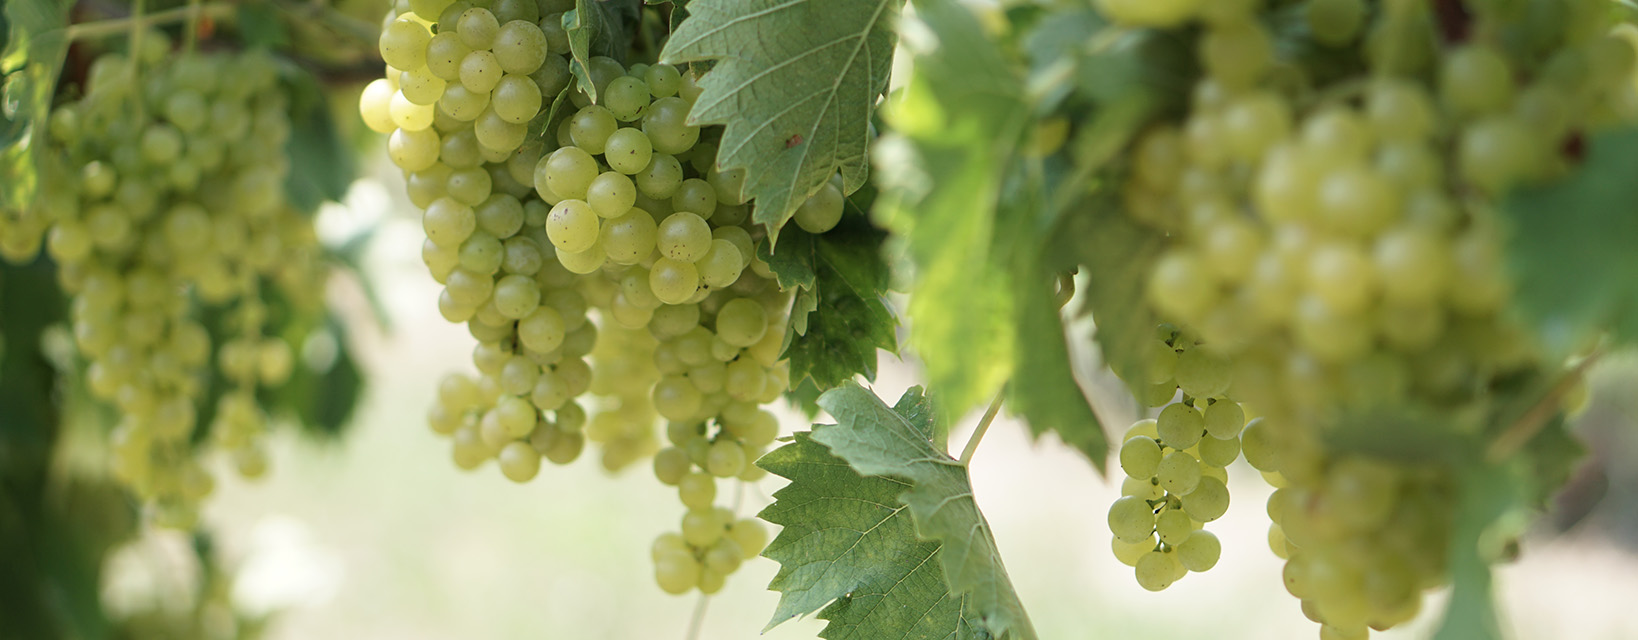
(1176, 465)
(614, 238)
(1334, 237)
(163, 207)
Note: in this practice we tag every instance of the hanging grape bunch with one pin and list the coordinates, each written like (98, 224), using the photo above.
(1336, 244)
(613, 238)
(163, 207)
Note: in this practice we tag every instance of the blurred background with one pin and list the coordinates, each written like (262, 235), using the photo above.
(378, 535)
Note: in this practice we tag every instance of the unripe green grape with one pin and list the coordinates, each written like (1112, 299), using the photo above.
(1181, 285)
(684, 236)
(583, 262)
(498, 135)
(591, 127)
(444, 55)
(671, 465)
(413, 150)
(1129, 553)
(516, 296)
(690, 89)
(516, 99)
(1475, 79)
(675, 398)
(567, 172)
(667, 127)
(1236, 54)
(470, 186)
(460, 150)
(741, 322)
(611, 194)
(1399, 110)
(550, 392)
(696, 196)
(697, 490)
(1261, 445)
(428, 185)
(722, 265)
(449, 223)
(1341, 275)
(677, 573)
(463, 104)
(1357, 201)
(421, 86)
(1180, 426)
(724, 557)
(670, 320)
(1495, 153)
(661, 178)
(572, 226)
(520, 47)
(1209, 500)
(1224, 420)
(1173, 526)
(673, 281)
(453, 311)
(749, 536)
(821, 211)
(1200, 551)
(1329, 335)
(408, 115)
(745, 380)
(663, 80)
(477, 28)
(628, 151)
(1139, 457)
(1178, 472)
(403, 44)
(519, 462)
(1157, 570)
(726, 459)
(1411, 263)
(626, 98)
(508, 11)
(481, 253)
(629, 238)
(522, 256)
(1203, 375)
(1131, 519)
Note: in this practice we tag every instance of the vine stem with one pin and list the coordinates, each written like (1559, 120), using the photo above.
(697, 621)
(1528, 425)
(983, 427)
(116, 26)
(190, 34)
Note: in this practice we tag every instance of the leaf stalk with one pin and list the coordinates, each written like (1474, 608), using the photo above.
(983, 427)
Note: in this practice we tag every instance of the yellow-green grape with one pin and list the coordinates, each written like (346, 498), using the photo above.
(726, 459)
(628, 151)
(1157, 570)
(1139, 457)
(516, 99)
(676, 398)
(519, 462)
(1131, 519)
(591, 127)
(684, 237)
(695, 196)
(629, 238)
(677, 572)
(520, 47)
(567, 173)
(1475, 79)
(673, 281)
(667, 127)
(1224, 419)
(741, 322)
(661, 178)
(572, 226)
(1180, 426)
(750, 537)
(611, 194)
(477, 28)
(702, 527)
(821, 211)
(1217, 452)
(1200, 551)
(403, 44)
(1209, 500)
(1178, 472)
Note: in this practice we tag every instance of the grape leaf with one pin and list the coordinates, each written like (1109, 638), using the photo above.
(322, 166)
(795, 83)
(839, 318)
(876, 440)
(1488, 493)
(848, 545)
(1050, 399)
(35, 48)
(1113, 251)
(599, 28)
(942, 175)
(1571, 247)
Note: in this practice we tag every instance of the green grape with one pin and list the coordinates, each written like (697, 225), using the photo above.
(542, 331)
(481, 253)
(741, 322)
(724, 557)
(591, 127)
(567, 172)
(520, 47)
(1365, 492)
(1131, 519)
(413, 150)
(1178, 472)
(516, 296)
(444, 55)
(1139, 457)
(697, 490)
(611, 194)
(403, 44)
(1218, 452)
(1200, 551)
(469, 186)
(1180, 426)
(671, 465)
(663, 80)
(460, 150)
(675, 398)
(583, 262)
(1411, 264)
(448, 222)
(1496, 152)
(629, 238)
(463, 104)
(516, 99)
(628, 151)
(626, 98)
(1475, 79)
(509, 11)
(673, 281)
(726, 459)
(749, 537)
(1173, 526)
(519, 462)
(421, 86)
(1128, 553)
(721, 265)
(1209, 500)
(477, 28)
(696, 196)
(667, 127)
(1157, 570)
(1203, 375)
(674, 320)
(498, 135)
(684, 237)
(677, 573)
(501, 215)
(661, 178)
(821, 211)
(1328, 335)
(1236, 54)
(1180, 285)
(480, 71)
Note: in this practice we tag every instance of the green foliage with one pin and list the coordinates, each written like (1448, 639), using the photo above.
(1487, 494)
(322, 166)
(839, 318)
(877, 440)
(1113, 252)
(35, 47)
(1571, 247)
(795, 83)
(599, 28)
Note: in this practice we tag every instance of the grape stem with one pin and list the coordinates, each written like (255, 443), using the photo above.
(1528, 425)
(117, 26)
(697, 621)
(982, 428)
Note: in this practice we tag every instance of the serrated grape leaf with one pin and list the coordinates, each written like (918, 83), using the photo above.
(1488, 493)
(1571, 247)
(35, 47)
(876, 440)
(1113, 252)
(795, 83)
(848, 545)
(322, 167)
(261, 26)
(839, 318)
(599, 28)
(1046, 392)
(943, 178)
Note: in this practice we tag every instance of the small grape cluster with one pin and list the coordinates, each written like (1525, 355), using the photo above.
(1176, 465)
(613, 238)
(164, 201)
(1335, 239)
